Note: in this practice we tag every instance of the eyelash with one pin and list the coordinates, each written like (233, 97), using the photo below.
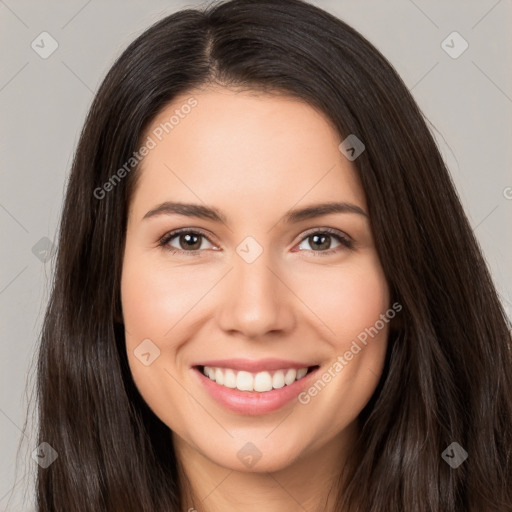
(345, 241)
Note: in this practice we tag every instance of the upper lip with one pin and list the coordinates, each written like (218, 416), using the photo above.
(251, 365)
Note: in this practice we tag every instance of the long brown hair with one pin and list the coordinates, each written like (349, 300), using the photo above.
(448, 371)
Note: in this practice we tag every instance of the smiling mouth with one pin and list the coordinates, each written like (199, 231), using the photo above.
(258, 382)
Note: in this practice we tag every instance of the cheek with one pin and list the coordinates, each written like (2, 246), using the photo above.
(155, 297)
(143, 300)
(350, 303)
(349, 299)
(152, 304)
(158, 302)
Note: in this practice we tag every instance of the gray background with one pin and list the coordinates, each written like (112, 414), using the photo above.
(43, 102)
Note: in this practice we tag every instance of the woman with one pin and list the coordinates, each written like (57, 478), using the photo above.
(267, 295)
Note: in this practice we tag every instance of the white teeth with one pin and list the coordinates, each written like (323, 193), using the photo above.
(244, 381)
(260, 382)
(301, 372)
(278, 379)
(229, 379)
(290, 376)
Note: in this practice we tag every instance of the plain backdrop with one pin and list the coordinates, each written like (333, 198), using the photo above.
(467, 98)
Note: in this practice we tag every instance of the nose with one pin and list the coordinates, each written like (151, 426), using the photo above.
(256, 300)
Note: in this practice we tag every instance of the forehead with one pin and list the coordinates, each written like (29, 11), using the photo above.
(244, 149)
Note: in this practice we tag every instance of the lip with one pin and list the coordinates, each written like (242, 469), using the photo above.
(254, 403)
(249, 365)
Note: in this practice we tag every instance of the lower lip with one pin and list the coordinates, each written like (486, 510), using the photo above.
(253, 402)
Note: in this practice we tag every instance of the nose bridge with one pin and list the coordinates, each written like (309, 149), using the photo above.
(255, 301)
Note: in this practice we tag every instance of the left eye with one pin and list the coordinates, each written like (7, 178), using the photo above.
(191, 241)
(322, 240)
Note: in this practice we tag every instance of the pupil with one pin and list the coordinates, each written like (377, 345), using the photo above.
(188, 237)
(324, 245)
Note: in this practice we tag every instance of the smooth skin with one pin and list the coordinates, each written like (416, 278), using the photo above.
(253, 156)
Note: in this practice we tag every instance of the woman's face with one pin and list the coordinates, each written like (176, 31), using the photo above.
(256, 289)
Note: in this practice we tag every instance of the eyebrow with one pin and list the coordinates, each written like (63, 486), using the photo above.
(290, 217)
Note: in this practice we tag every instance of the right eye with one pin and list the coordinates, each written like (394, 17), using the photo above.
(190, 239)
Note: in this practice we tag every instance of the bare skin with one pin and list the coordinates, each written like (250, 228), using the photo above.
(254, 157)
